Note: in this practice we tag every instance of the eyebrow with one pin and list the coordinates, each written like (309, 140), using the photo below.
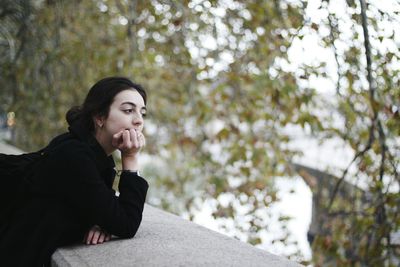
(133, 104)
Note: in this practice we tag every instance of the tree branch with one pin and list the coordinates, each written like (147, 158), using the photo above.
(359, 154)
(380, 212)
(332, 38)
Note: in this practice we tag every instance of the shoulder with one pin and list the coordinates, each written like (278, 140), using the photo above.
(70, 161)
(69, 148)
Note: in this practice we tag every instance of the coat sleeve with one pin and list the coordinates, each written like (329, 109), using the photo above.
(82, 186)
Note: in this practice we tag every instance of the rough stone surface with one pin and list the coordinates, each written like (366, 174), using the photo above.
(164, 239)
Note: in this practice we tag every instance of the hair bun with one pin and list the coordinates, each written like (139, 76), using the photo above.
(74, 114)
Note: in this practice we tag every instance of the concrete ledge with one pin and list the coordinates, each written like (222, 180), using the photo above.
(164, 239)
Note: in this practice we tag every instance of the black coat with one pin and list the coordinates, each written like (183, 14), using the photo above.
(70, 191)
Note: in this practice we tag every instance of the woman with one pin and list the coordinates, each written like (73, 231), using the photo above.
(69, 198)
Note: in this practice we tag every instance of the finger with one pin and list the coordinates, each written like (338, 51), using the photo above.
(96, 236)
(117, 139)
(118, 135)
(140, 141)
(134, 138)
(90, 236)
(108, 237)
(101, 237)
(126, 143)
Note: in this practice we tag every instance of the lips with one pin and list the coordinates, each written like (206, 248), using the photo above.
(136, 129)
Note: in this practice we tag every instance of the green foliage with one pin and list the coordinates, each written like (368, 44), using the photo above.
(357, 229)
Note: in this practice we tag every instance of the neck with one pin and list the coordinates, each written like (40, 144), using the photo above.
(104, 142)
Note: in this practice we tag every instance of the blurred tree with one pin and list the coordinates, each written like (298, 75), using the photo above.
(207, 65)
(362, 37)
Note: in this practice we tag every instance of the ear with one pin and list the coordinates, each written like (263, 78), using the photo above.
(99, 121)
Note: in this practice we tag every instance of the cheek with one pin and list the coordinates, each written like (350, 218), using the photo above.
(118, 123)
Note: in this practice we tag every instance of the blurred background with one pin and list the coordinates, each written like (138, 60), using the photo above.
(274, 121)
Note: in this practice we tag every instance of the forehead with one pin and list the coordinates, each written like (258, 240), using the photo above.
(129, 96)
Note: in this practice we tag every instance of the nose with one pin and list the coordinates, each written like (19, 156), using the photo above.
(137, 120)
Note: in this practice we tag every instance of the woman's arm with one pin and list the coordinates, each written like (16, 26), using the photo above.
(82, 186)
(129, 142)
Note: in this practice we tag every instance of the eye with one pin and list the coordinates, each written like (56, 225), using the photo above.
(144, 115)
(127, 111)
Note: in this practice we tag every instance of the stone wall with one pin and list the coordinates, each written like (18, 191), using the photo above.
(164, 239)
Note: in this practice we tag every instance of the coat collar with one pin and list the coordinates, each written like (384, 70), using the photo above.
(102, 160)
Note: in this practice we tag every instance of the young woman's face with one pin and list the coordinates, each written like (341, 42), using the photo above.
(126, 112)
